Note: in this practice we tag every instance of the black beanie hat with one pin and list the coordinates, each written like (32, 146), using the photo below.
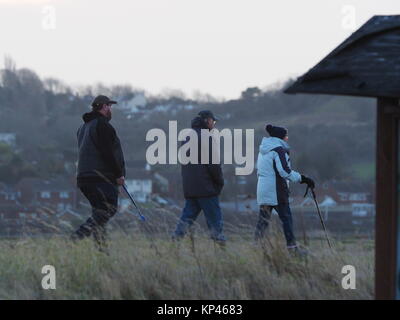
(277, 132)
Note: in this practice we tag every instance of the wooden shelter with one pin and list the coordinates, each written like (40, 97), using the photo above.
(368, 64)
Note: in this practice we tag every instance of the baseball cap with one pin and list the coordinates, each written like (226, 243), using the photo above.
(100, 100)
(207, 114)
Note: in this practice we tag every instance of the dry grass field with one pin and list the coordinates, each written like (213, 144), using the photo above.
(139, 267)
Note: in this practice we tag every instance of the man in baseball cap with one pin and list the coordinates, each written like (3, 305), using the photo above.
(202, 185)
(100, 100)
(207, 114)
(101, 169)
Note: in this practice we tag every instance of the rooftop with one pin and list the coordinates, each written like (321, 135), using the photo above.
(365, 64)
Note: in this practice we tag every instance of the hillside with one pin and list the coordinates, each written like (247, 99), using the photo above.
(331, 137)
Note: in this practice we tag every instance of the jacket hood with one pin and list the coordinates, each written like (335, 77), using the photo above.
(89, 116)
(198, 122)
(267, 144)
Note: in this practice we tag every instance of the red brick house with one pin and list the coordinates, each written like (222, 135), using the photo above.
(8, 195)
(347, 193)
(59, 193)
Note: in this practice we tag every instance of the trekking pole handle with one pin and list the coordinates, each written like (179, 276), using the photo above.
(312, 192)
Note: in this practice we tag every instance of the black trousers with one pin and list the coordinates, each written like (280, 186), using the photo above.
(285, 216)
(103, 198)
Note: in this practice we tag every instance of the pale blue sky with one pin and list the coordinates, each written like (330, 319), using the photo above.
(214, 46)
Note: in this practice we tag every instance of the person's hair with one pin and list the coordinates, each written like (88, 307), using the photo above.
(97, 106)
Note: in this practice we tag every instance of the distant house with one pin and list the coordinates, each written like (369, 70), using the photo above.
(8, 195)
(168, 183)
(139, 184)
(9, 220)
(324, 201)
(363, 210)
(337, 193)
(9, 212)
(343, 204)
(30, 213)
(328, 202)
(57, 193)
(346, 193)
(8, 138)
(21, 213)
(161, 183)
(134, 104)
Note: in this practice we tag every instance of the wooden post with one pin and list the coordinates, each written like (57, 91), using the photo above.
(386, 224)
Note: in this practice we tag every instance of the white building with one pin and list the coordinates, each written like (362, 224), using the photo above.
(363, 209)
(139, 184)
(8, 138)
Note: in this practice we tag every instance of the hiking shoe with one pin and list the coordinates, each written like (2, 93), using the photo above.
(75, 237)
(298, 252)
(176, 238)
(103, 249)
(221, 244)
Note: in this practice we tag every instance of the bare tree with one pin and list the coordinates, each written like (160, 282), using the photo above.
(9, 63)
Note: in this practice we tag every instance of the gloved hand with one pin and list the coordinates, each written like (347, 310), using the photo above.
(310, 182)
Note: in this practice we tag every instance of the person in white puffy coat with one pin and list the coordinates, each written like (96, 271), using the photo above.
(274, 174)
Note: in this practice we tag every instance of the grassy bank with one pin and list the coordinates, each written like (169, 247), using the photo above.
(141, 269)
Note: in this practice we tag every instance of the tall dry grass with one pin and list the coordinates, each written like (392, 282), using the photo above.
(195, 268)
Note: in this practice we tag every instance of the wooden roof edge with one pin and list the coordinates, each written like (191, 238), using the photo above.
(361, 33)
(291, 90)
(354, 37)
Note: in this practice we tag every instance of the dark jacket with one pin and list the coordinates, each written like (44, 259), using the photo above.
(201, 180)
(99, 150)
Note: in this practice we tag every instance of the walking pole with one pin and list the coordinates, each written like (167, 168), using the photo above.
(134, 203)
(141, 217)
(126, 190)
(319, 214)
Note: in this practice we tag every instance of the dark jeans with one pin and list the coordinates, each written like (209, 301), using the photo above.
(286, 217)
(103, 198)
(212, 212)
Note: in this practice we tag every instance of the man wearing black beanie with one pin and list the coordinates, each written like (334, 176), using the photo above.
(274, 173)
